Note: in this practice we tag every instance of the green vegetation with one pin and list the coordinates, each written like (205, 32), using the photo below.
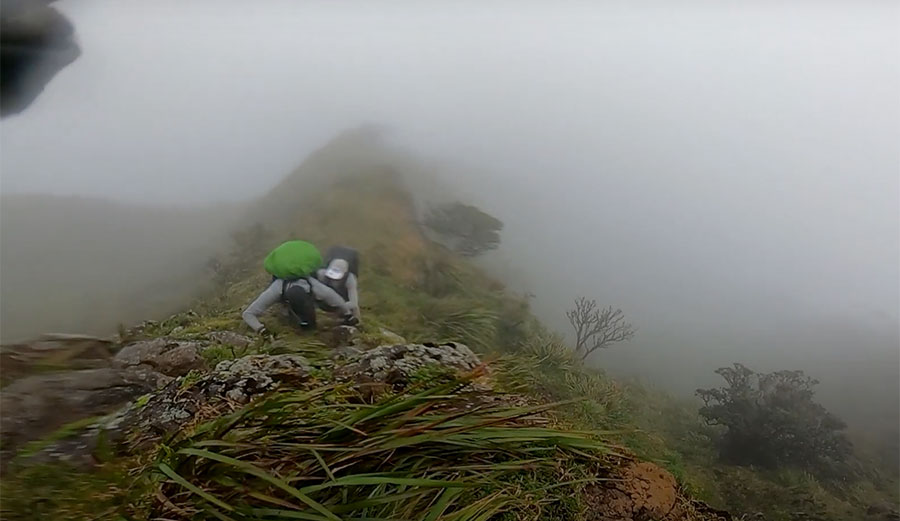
(435, 451)
(771, 420)
(673, 433)
(59, 491)
(66, 431)
(322, 454)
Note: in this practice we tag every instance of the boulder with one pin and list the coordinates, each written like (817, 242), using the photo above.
(230, 385)
(395, 364)
(35, 406)
(345, 336)
(166, 355)
(229, 338)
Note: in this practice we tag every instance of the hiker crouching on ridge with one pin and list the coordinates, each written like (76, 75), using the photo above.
(293, 267)
(341, 273)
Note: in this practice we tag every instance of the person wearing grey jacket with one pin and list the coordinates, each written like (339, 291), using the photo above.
(298, 296)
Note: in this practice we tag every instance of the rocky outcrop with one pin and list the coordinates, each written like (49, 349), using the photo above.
(159, 371)
(35, 406)
(231, 384)
(183, 401)
(198, 396)
(395, 364)
(38, 405)
(165, 355)
(244, 377)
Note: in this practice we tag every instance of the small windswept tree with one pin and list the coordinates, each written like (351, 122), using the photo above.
(771, 420)
(597, 328)
(469, 230)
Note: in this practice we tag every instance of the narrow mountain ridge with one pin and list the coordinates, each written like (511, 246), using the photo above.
(450, 402)
(398, 419)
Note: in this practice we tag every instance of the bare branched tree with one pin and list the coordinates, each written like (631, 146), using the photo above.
(597, 328)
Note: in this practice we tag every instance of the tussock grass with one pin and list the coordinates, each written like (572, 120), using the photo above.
(322, 454)
(458, 320)
(551, 353)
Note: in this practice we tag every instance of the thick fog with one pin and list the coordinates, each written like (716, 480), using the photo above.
(726, 173)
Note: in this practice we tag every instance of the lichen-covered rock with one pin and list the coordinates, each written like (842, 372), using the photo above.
(395, 364)
(346, 353)
(183, 401)
(232, 382)
(38, 405)
(275, 366)
(166, 355)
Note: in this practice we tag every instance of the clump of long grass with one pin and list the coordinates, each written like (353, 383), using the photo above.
(551, 353)
(460, 321)
(439, 276)
(323, 455)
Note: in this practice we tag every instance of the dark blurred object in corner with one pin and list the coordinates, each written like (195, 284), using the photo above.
(36, 42)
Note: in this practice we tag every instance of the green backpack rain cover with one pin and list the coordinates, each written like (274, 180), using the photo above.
(293, 260)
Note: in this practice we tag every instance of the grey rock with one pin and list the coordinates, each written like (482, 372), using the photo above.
(229, 338)
(180, 360)
(390, 337)
(269, 365)
(346, 352)
(394, 364)
(237, 381)
(230, 384)
(168, 356)
(38, 405)
(346, 335)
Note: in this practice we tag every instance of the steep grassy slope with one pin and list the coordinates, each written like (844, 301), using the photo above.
(422, 291)
(417, 289)
(471, 454)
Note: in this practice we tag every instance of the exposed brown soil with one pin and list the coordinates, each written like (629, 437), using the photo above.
(643, 491)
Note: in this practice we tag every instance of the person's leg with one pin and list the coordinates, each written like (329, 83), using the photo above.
(301, 303)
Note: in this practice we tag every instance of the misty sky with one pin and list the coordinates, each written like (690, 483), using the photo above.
(714, 167)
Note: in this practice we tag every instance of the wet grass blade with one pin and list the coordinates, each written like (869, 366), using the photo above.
(174, 476)
(262, 474)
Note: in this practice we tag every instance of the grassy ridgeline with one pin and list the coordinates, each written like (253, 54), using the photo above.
(423, 292)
